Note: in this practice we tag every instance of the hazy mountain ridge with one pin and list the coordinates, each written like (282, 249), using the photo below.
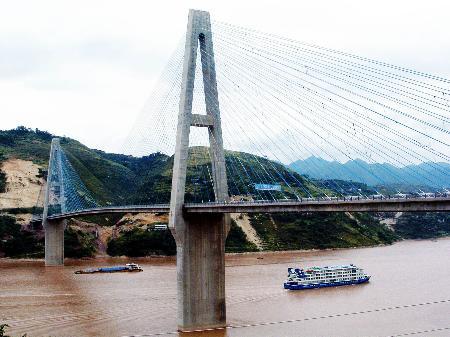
(434, 175)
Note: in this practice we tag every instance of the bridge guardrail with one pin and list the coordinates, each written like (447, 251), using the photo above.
(398, 196)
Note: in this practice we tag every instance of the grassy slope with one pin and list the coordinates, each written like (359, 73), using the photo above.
(419, 225)
(320, 230)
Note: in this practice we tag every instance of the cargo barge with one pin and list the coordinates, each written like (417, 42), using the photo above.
(129, 267)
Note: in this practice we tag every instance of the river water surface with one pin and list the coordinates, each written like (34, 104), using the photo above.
(408, 295)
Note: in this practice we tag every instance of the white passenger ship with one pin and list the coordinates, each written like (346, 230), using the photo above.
(318, 277)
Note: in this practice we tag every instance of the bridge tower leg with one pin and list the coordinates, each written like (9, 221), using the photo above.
(200, 239)
(54, 194)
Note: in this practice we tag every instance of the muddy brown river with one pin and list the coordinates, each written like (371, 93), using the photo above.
(408, 295)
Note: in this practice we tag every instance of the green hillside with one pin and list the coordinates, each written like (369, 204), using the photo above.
(320, 230)
(111, 178)
(123, 179)
(419, 225)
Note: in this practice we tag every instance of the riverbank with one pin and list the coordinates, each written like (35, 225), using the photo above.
(257, 256)
(131, 236)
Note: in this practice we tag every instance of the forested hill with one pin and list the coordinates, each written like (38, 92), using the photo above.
(109, 177)
(123, 179)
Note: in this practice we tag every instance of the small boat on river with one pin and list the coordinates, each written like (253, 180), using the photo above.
(318, 277)
(129, 267)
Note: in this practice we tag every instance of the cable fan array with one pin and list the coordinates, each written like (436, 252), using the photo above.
(283, 100)
(66, 191)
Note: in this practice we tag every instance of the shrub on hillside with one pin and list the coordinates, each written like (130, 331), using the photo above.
(139, 242)
(15, 242)
(423, 225)
(78, 244)
(3, 328)
(320, 230)
(2, 181)
(8, 226)
(237, 241)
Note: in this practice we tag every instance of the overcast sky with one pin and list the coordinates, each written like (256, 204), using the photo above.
(85, 69)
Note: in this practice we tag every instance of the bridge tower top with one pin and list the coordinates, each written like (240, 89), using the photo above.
(198, 35)
(54, 192)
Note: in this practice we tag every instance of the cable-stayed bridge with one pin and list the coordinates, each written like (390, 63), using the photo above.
(227, 120)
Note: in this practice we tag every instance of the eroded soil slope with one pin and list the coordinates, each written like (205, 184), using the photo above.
(23, 185)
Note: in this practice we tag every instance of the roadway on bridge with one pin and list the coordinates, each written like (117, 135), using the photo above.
(358, 204)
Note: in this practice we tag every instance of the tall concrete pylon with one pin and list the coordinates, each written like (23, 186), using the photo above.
(200, 238)
(54, 230)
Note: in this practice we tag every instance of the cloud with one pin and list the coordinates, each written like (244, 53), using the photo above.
(86, 68)
(20, 56)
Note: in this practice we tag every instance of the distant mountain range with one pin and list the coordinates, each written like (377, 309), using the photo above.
(435, 175)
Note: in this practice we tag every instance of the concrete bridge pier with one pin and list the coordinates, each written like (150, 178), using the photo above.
(201, 272)
(54, 242)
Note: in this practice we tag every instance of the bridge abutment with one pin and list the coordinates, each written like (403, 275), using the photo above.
(54, 242)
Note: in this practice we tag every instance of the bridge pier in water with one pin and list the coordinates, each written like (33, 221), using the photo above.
(54, 242)
(201, 272)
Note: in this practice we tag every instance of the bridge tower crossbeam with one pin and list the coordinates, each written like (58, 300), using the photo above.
(201, 238)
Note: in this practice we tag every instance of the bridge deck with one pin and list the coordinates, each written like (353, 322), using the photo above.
(348, 205)
(433, 204)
